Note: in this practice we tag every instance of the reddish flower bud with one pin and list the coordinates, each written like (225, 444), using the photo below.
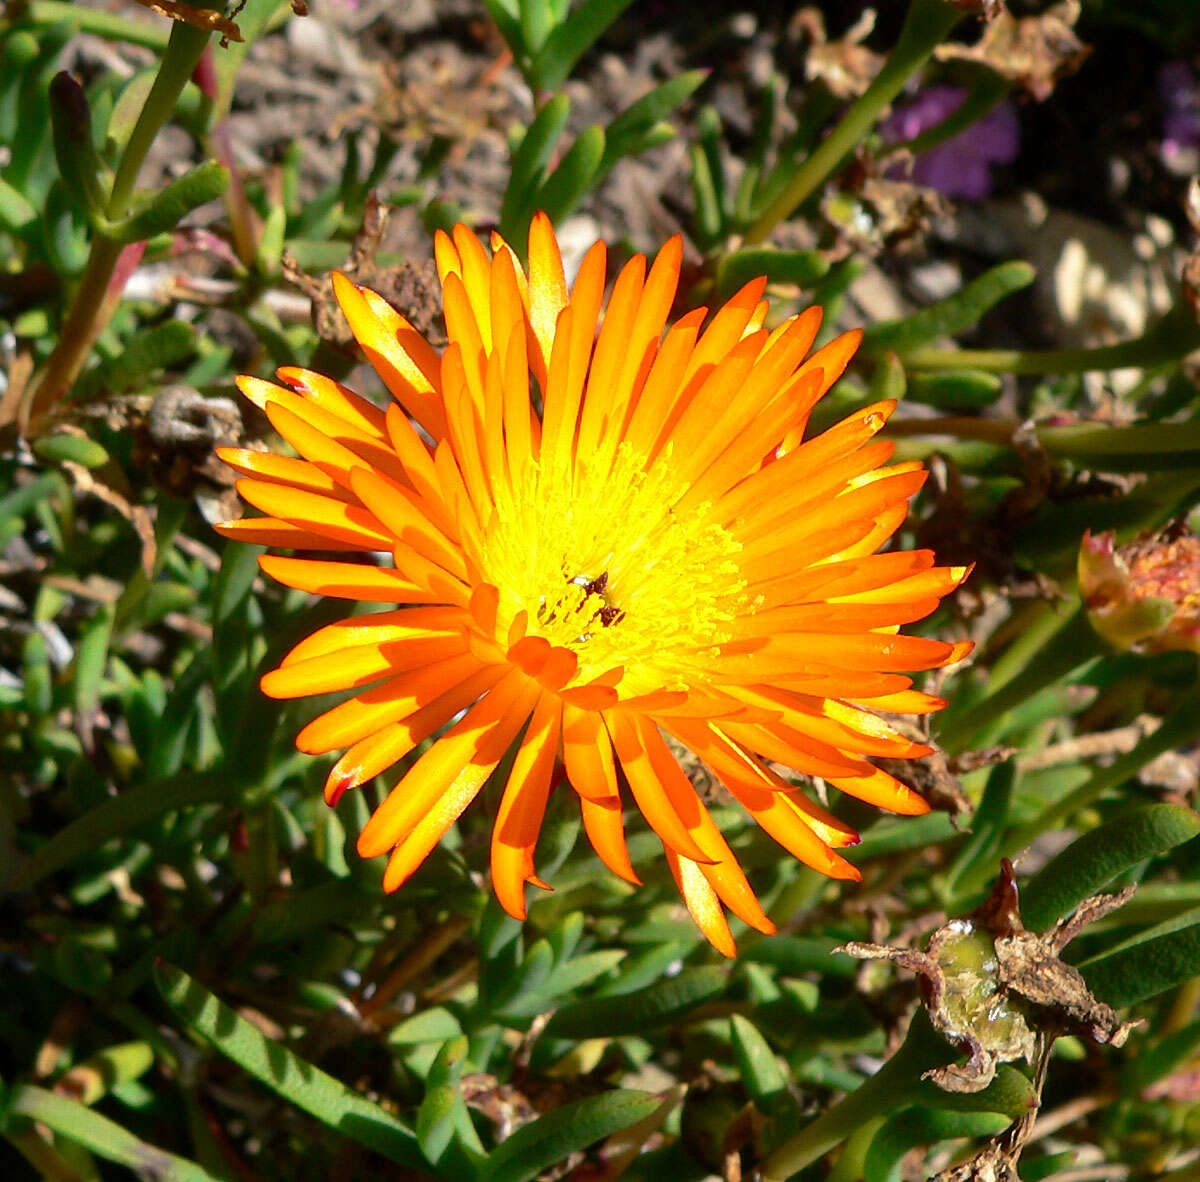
(1144, 596)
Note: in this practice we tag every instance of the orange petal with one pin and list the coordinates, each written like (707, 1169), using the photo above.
(702, 902)
(523, 806)
(663, 390)
(374, 754)
(317, 514)
(357, 666)
(383, 334)
(270, 531)
(588, 755)
(288, 470)
(619, 333)
(373, 709)
(569, 360)
(344, 580)
(663, 793)
(726, 330)
(906, 702)
(376, 628)
(883, 791)
(605, 828)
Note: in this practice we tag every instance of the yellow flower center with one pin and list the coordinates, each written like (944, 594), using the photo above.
(601, 564)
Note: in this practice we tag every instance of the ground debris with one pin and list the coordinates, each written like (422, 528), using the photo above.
(408, 287)
(844, 64)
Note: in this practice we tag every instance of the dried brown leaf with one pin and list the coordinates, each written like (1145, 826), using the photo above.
(198, 18)
(1032, 52)
(844, 64)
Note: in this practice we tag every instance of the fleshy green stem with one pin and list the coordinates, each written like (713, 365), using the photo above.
(79, 329)
(92, 304)
(1172, 337)
(1061, 442)
(889, 1088)
(1179, 727)
(183, 51)
(927, 24)
(1069, 647)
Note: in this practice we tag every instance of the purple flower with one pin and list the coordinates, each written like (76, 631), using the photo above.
(961, 166)
(1180, 95)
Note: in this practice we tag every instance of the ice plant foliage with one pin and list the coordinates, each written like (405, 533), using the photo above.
(604, 537)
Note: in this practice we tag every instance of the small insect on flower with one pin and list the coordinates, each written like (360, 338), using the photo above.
(658, 551)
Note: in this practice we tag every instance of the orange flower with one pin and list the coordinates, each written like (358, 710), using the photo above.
(642, 547)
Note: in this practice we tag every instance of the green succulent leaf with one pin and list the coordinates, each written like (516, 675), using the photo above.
(529, 161)
(146, 353)
(950, 316)
(76, 449)
(1092, 861)
(102, 1136)
(956, 389)
(1145, 967)
(554, 1137)
(571, 39)
(627, 134)
(799, 267)
(167, 208)
(906, 1130)
(1010, 1093)
(17, 215)
(759, 1066)
(120, 815)
(574, 175)
(664, 1003)
(284, 1072)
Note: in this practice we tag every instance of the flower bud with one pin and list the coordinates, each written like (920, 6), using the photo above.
(1144, 596)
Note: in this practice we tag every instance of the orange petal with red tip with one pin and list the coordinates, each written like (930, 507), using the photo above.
(374, 754)
(523, 806)
(335, 398)
(367, 713)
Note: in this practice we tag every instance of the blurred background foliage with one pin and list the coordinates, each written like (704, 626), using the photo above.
(203, 980)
